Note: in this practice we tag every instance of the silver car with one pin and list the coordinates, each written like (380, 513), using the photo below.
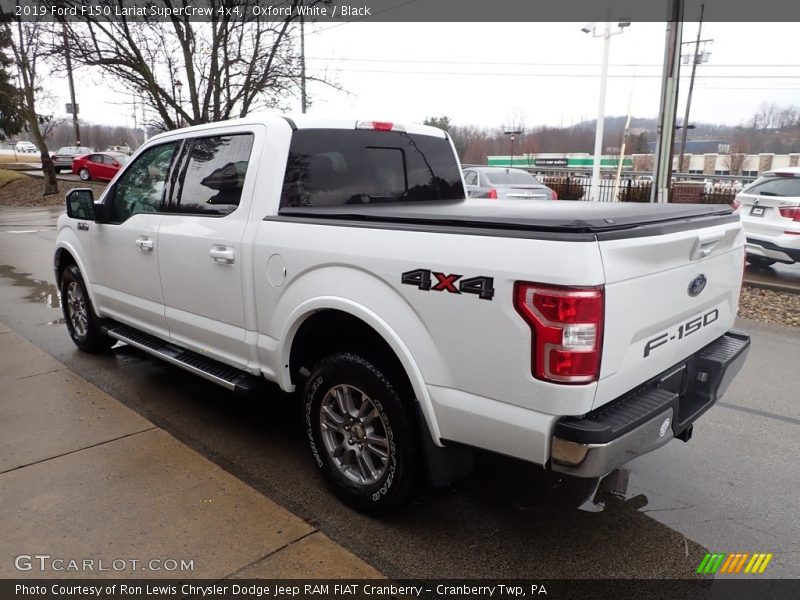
(63, 158)
(505, 183)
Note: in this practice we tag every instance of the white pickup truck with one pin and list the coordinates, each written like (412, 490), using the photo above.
(340, 259)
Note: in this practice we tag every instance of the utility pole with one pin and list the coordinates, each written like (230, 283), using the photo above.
(68, 57)
(303, 97)
(669, 95)
(696, 58)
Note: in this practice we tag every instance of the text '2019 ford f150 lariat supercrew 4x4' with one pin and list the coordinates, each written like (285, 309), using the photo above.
(340, 258)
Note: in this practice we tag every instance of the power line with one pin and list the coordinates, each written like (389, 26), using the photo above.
(581, 75)
(531, 64)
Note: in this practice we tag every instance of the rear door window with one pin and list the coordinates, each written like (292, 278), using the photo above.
(213, 176)
(775, 186)
(333, 167)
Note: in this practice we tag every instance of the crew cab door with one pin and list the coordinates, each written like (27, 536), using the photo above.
(126, 282)
(200, 238)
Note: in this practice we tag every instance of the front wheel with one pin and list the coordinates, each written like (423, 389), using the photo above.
(361, 435)
(82, 324)
(84, 174)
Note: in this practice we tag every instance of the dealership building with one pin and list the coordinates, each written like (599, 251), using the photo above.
(708, 163)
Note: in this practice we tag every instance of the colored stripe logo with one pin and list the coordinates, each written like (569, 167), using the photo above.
(736, 563)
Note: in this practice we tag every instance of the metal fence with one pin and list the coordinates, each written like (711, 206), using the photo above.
(635, 186)
(630, 190)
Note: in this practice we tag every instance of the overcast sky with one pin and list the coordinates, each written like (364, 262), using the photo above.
(547, 73)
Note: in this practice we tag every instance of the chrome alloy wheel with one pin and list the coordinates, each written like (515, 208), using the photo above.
(77, 309)
(354, 434)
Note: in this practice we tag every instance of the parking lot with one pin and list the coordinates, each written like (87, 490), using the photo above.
(732, 488)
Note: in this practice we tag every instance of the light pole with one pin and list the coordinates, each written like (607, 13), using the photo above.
(594, 194)
(178, 87)
(513, 133)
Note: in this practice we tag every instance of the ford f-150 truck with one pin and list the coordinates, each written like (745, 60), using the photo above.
(340, 259)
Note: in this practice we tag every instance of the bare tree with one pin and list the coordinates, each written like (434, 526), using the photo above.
(190, 72)
(27, 42)
(734, 162)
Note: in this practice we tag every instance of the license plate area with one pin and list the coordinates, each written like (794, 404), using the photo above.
(757, 211)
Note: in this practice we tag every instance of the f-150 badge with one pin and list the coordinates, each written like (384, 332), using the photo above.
(423, 279)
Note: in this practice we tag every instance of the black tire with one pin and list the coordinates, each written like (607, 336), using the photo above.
(393, 478)
(759, 262)
(82, 322)
(84, 174)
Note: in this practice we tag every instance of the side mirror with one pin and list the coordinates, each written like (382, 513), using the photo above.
(80, 204)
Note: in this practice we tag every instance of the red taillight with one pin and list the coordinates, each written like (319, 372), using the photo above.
(567, 330)
(555, 195)
(790, 212)
(492, 195)
(382, 126)
(735, 205)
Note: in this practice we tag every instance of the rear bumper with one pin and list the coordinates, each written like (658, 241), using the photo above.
(773, 250)
(650, 416)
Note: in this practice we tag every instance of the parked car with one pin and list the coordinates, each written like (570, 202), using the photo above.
(100, 165)
(341, 259)
(124, 149)
(770, 210)
(505, 183)
(62, 159)
(25, 146)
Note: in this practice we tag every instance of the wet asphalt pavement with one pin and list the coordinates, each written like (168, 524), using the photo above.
(735, 487)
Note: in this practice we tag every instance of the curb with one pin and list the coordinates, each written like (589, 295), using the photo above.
(774, 287)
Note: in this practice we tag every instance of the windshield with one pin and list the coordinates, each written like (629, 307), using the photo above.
(333, 167)
(511, 177)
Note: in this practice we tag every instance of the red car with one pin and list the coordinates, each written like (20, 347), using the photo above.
(100, 165)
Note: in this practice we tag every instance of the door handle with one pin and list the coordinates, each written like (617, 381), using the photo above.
(145, 244)
(222, 254)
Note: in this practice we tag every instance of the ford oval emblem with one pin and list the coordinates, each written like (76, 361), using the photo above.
(697, 285)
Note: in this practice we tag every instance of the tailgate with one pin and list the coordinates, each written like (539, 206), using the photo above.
(667, 296)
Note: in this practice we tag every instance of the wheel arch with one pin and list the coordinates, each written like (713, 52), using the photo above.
(367, 332)
(66, 255)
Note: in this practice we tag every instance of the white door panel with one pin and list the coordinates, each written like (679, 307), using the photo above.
(202, 281)
(127, 283)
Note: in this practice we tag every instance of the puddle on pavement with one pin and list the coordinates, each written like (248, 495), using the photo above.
(40, 291)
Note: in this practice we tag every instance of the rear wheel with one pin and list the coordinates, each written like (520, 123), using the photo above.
(84, 174)
(82, 324)
(361, 434)
(759, 262)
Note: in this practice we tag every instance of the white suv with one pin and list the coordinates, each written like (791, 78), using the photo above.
(24, 146)
(770, 209)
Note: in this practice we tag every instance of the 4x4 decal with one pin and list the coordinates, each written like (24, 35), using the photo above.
(483, 287)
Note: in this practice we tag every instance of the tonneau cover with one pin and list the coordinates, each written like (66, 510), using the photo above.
(552, 216)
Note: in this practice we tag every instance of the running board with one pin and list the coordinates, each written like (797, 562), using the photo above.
(228, 377)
